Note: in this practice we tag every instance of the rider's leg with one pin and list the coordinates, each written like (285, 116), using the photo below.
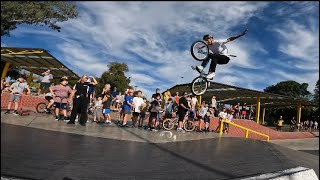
(216, 59)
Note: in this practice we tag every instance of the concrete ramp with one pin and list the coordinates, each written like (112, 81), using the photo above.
(297, 173)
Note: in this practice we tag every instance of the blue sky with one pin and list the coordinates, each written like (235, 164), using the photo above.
(154, 39)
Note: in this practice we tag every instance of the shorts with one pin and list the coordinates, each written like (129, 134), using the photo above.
(126, 111)
(63, 105)
(168, 115)
(226, 125)
(97, 112)
(106, 111)
(48, 98)
(206, 120)
(182, 115)
(14, 97)
(153, 115)
(244, 112)
(136, 114)
(44, 86)
(142, 115)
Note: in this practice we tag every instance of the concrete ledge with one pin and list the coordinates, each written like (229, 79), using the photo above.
(297, 173)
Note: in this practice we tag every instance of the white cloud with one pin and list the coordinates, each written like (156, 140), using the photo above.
(155, 37)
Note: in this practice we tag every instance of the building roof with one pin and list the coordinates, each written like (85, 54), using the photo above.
(37, 61)
(228, 94)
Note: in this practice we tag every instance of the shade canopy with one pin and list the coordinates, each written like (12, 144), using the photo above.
(36, 61)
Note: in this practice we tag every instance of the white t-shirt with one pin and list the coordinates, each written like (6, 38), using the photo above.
(223, 115)
(19, 87)
(137, 101)
(194, 101)
(98, 104)
(230, 117)
(46, 78)
(218, 47)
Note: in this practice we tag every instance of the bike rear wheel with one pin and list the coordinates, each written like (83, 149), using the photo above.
(168, 124)
(199, 86)
(199, 50)
(189, 126)
(41, 107)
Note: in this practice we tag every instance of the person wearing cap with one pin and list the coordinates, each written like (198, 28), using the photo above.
(61, 93)
(182, 110)
(127, 107)
(218, 53)
(45, 82)
(16, 90)
(279, 123)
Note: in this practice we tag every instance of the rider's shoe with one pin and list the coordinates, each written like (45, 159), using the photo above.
(211, 75)
(199, 68)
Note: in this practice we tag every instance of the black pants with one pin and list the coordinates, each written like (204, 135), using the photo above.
(80, 105)
(215, 59)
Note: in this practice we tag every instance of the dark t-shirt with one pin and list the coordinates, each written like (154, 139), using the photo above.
(107, 103)
(183, 101)
(82, 89)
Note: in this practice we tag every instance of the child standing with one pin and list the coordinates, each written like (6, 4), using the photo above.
(97, 109)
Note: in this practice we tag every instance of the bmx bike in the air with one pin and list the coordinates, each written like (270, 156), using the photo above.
(200, 51)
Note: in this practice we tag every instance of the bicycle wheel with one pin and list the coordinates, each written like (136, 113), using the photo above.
(199, 86)
(41, 107)
(189, 126)
(199, 50)
(168, 124)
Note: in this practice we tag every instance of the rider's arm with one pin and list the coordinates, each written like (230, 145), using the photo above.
(236, 37)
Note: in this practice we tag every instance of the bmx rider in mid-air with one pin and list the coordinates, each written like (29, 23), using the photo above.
(217, 53)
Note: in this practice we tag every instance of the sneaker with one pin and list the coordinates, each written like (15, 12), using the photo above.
(211, 75)
(154, 129)
(7, 112)
(199, 68)
(57, 118)
(15, 113)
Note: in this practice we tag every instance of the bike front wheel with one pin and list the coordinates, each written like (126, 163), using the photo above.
(168, 124)
(199, 50)
(199, 86)
(189, 126)
(41, 107)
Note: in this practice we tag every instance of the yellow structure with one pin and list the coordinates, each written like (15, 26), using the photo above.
(299, 113)
(263, 114)
(30, 78)
(244, 128)
(5, 70)
(199, 100)
(258, 109)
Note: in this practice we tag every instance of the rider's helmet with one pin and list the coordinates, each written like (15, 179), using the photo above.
(205, 37)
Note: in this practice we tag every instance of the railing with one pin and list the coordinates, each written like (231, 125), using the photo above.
(244, 128)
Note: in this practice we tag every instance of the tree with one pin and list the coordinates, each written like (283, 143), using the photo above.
(316, 93)
(115, 76)
(290, 88)
(43, 13)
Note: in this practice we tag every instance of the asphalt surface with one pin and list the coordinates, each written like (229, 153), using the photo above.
(41, 154)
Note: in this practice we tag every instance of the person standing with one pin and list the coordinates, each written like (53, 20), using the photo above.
(127, 107)
(279, 123)
(137, 101)
(182, 110)
(45, 82)
(16, 90)
(80, 101)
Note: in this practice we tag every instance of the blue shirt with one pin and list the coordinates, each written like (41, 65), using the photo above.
(115, 94)
(125, 105)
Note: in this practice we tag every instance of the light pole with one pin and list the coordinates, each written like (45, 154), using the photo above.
(135, 88)
(181, 79)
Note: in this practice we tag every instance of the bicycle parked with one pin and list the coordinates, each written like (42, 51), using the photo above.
(188, 123)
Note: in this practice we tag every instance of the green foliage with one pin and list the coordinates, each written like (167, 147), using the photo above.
(43, 13)
(316, 93)
(115, 76)
(289, 88)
